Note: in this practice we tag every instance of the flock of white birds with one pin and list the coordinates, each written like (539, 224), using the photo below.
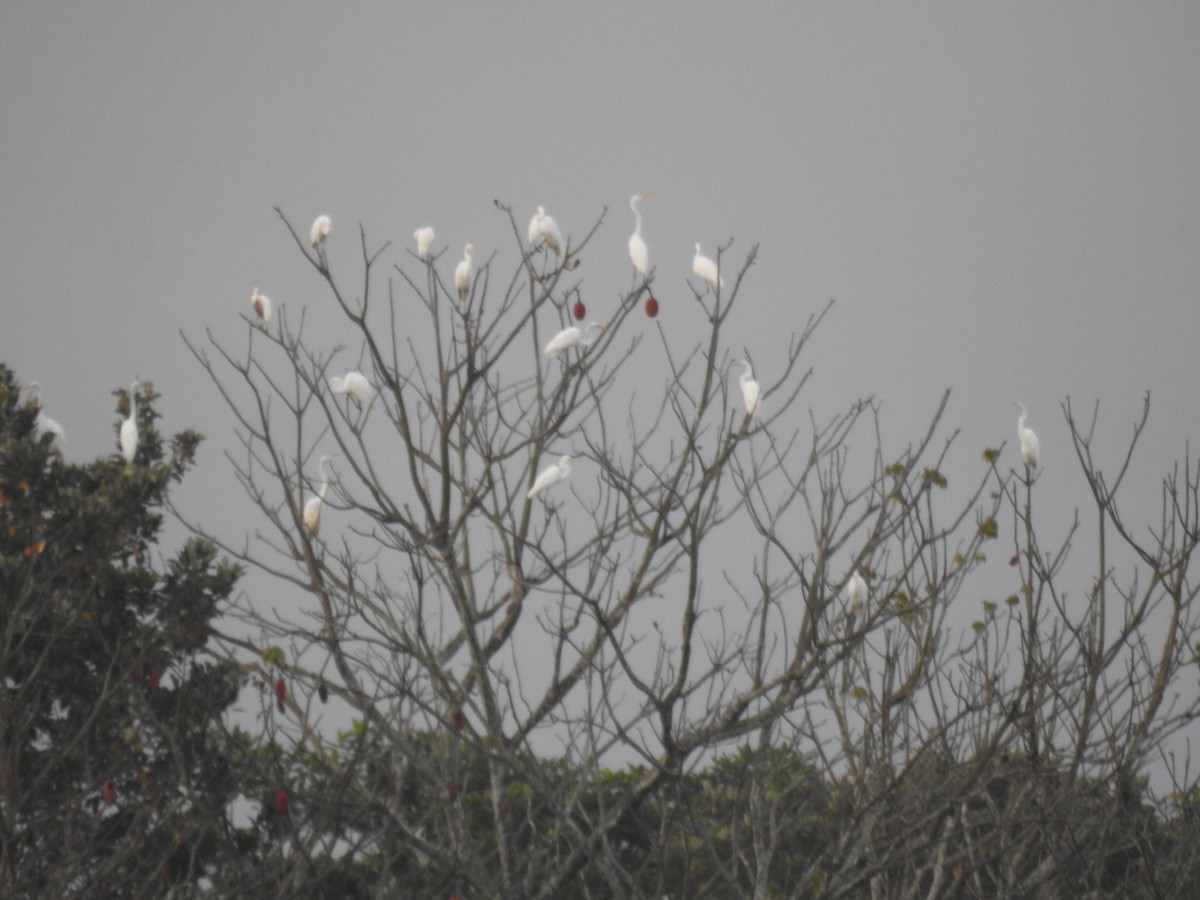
(543, 233)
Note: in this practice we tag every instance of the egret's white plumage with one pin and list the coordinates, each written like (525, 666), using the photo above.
(424, 239)
(750, 388)
(707, 269)
(321, 227)
(548, 232)
(356, 385)
(312, 509)
(1031, 449)
(129, 428)
(637, 246)
(551, 475)
(535, 228)
(856, 592)
(462, 273)
(44, 425)
(261, 304)
(569, 337)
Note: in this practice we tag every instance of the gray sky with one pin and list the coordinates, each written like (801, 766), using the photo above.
(1003, 198)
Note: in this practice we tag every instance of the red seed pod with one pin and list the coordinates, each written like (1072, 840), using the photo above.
(457, 719)
(580, 310)
(108, 792)
(282, 801)
(280, 692)
(652, 307)
(152, 679)
(452, 789)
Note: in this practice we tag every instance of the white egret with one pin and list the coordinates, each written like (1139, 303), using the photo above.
(551, 475)
(44, 425)
(129, 428)
(750, 388)
(548, 232)
(707, 269)
(356, 385)
(569, 337)
(1031, 449)
(424, 239)
(312, 509)
(856, 592)
(462, 273)
(321, 227)
(535, 228)
(637, 246)
(261, 304)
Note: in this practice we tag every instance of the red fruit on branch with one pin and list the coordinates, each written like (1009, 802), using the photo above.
(108, 792)
(152, 679)
(580, 310)
(280, 692)
(652, 307)
(457, 719)
(282, 800)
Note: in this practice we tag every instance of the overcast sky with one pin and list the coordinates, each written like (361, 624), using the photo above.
(1002, 198)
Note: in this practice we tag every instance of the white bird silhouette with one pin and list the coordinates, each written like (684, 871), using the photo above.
(261, 304)
(355, 384)
(321, 227)
(543, 230)
(312, 509)
(551, 475)
(707, 269)
(129, 428)
(1031, 449)
(424, 238)
(569, 337)
(462, 273)
(637, 246)
(44, 425)
(856, 592)
(750, 389)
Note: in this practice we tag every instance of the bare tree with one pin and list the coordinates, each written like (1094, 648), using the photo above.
(674, 600)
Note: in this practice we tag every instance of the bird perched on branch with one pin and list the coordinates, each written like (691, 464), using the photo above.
(569, 337)
(321, 227)
(551, 475)
(1031, 449)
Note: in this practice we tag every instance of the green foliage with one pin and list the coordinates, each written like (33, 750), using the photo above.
(116, 768)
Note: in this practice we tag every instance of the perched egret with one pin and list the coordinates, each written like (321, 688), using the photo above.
(356, 385)
(129, 428)
(750, 389)
(569, 337)
(312, 509)
(424, 238)
(321, 227)
(45, 425)
(551, 475)
(707, 269)
(637, 246)
(856, 591)
(462, 273)
(261, 304)
(548, 232)
(1030, 448)
(535, 228)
